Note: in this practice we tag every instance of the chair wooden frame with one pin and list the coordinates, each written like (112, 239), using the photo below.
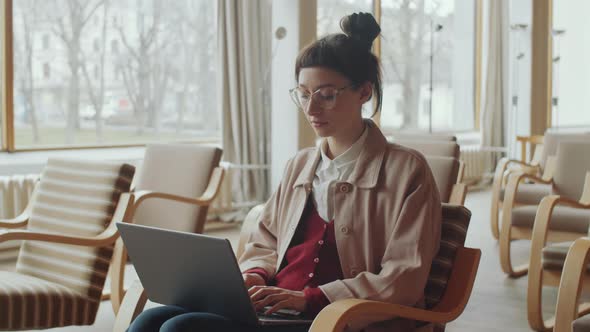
(357, 313)
(105, 238)
(117, 271)
(459, 190)
(525, 142)
(574, 278)
(539, 277)
(532, 167)
(338, 314)
(509, 232)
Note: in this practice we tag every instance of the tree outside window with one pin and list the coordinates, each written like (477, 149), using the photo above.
(105, 81)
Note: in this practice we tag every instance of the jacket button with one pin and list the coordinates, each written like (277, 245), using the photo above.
(344, 188)
(354, 272)
(344, 229)
(316, 260)
(310, 275)
(321, 242)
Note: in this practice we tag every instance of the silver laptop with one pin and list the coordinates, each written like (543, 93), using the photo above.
(196, 272)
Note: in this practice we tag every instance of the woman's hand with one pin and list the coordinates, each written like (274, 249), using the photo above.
(276, 298)
(253, 279)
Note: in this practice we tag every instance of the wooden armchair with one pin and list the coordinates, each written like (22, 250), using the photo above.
(447, 291)
(68, 244)
(445, 301)
(574, 278)
(539, 166)
(534, 165)
(180, 181)
(571, 164)
(546, 267)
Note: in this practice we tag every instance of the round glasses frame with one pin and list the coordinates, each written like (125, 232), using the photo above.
(316, 96)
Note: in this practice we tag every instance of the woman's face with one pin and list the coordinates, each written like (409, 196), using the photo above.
(327, 116)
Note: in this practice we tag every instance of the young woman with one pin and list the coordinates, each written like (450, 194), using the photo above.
(355, 218)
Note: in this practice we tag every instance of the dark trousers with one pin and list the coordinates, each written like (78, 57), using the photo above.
(176, 319)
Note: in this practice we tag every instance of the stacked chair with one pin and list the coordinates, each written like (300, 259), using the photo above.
(518, 218)
(173, 190)
(563, 216)
(539, 166)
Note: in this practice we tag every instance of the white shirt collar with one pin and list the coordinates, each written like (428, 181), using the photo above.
(345, 158)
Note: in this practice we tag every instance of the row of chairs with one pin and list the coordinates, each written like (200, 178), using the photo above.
(179, 174)
(449, 302)
(546, 201)
(70, 239)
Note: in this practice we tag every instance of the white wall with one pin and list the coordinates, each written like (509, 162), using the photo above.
(290, 131)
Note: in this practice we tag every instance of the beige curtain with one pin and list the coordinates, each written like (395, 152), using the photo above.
(244, 44)
(495, 101)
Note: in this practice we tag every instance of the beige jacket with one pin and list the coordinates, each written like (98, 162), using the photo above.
(387, 221)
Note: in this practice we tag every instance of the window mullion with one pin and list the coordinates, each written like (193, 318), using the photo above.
(7, 77)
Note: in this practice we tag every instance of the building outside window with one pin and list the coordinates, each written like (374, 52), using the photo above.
(73, 96)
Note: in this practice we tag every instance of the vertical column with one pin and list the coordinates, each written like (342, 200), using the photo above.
(6, 61)
(541, 76)
(290, 130)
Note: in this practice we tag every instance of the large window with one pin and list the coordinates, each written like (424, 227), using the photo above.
(331, 11)
(329, 14)
(424, 44)
(571, 69)
(101, 72)
(428, 57)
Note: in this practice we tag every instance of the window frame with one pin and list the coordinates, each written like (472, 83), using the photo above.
(7, 97)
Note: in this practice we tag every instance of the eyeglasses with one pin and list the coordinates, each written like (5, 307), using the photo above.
(324, 97)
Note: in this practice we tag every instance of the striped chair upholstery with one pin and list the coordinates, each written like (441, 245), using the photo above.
(58, 285)
(455, 222)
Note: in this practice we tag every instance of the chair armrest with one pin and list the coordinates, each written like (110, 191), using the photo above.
(204, 200)
(570, 285)
(107, 237)
(360, 313)
(461, 172)
(22, 219)
(533, 140)
(538, 241)
(543, 218)
(585, 198)
(18, 222)
(458, 194)
(502, 172)
(132, 305)
(514, 180)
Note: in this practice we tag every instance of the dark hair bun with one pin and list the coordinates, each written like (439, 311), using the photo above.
(362, 27)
